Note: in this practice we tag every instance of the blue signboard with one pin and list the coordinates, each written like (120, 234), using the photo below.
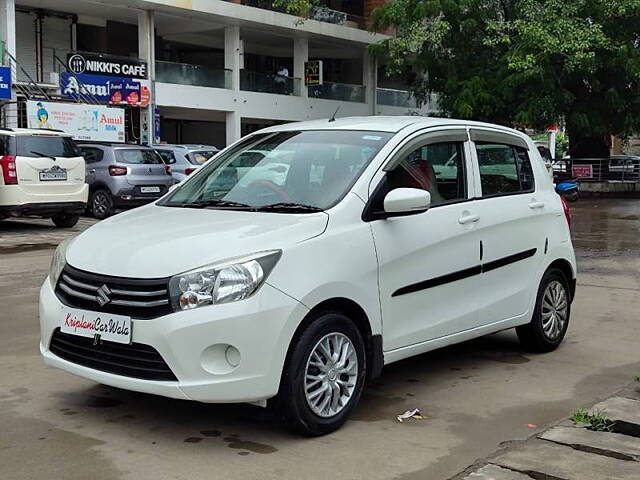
(106, 89)
(5, 83)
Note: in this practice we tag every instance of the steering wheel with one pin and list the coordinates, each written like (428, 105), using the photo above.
(269, 185)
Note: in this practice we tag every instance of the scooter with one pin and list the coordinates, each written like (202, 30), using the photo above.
(568, 189)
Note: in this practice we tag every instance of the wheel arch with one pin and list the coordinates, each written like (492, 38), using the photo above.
(350, 308)
(565, 267)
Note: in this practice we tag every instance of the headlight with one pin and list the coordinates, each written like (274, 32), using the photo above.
(58, 261)
(224, 282)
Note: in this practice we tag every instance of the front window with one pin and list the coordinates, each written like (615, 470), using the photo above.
(287, 171)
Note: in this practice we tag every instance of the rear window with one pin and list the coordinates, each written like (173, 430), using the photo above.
(46, 146)
(200, 157)
(137, 156)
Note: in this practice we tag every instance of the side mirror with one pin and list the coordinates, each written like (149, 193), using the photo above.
(406, 201)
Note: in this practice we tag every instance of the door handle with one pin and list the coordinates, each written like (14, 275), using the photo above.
(93, 170)
(468, 219)
(533, 205)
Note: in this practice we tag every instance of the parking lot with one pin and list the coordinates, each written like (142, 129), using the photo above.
(473, 396)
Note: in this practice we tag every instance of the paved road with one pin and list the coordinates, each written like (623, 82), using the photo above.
(475, 395)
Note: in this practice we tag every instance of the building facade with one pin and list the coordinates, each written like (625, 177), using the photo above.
(202, 71)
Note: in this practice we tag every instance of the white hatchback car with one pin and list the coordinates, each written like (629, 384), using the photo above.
(300, 288)
(42, 175)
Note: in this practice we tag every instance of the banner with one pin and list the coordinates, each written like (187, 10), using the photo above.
(5, 83)
(105, 89)
(106, 65)
(313, 72)
(83, 122)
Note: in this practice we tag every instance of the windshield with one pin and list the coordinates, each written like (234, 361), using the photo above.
(285, 171)
(46, 145)
(137, 156)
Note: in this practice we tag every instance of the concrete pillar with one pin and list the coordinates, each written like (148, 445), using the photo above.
(300, 56)
(233, 124)
(146, 52)
(232, 63)
(232, 54)
(8, 36)
(370, 80)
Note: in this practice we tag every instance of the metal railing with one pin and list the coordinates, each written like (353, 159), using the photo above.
(615, 169)
(190, 74)
(396, 98)
(338, 91)
(268, 83)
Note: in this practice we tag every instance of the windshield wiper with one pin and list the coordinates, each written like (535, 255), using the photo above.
(288, 207)
(43, 155)
(215, 203)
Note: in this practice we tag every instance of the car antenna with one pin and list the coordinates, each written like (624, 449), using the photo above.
(333, 117)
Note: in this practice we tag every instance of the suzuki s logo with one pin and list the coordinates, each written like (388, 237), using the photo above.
(103, 295)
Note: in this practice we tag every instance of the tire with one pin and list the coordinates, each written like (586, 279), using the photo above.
(294, 407)
(547, 329)
(573, 197)
(65, 220)
(101, 204)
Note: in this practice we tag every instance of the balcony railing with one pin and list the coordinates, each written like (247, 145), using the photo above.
(268, 83)
(338, 91)
(196, 75)
(396, 98)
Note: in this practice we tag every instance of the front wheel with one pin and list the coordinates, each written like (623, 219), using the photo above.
(324, 375)
(65, 220)
(550, 319)
(573, 196)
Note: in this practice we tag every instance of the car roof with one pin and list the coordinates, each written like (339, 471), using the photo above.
(390, 124)
(114, 145)
(33, 131)
(184, 146)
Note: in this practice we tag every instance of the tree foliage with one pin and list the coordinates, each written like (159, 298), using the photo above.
(524, 62)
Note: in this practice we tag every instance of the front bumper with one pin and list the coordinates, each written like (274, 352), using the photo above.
(260, 327)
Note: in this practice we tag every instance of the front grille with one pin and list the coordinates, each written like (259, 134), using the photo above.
(135, 360)
(137, 298)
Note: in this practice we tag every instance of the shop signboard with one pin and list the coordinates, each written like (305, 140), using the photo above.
(82, 121)
(105, 89)
(582, 171)
(5, 83)
(313, 73)
(97, 64)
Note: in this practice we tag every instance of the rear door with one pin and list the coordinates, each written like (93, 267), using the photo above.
(147, 171)
(48, 164)
(514, 223)
(92, 157)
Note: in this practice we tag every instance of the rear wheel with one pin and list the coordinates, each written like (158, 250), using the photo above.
(65, 220)
(550, 319)
(324, 376)
(101, 204)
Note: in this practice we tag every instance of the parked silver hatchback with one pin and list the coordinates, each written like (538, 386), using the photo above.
(123, 176)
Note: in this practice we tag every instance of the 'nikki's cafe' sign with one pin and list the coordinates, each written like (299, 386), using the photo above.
(96, 64)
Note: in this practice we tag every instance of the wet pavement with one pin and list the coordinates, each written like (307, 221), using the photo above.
(474, 395)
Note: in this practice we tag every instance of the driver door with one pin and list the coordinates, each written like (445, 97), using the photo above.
(429, 263)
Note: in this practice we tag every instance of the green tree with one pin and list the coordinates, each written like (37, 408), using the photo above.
(524, 62)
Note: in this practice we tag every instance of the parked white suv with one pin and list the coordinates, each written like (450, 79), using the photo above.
(300, 288)
(42, 175)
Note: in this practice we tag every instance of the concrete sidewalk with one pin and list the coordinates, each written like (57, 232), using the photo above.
(569, 451)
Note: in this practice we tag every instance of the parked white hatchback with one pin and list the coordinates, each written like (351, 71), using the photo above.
(42, 175)
(300, 288)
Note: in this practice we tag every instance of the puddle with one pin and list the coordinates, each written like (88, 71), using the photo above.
(254, 447)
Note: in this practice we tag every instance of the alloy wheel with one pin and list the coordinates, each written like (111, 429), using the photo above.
(555, 307)
(331, 375)
(101, 204)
